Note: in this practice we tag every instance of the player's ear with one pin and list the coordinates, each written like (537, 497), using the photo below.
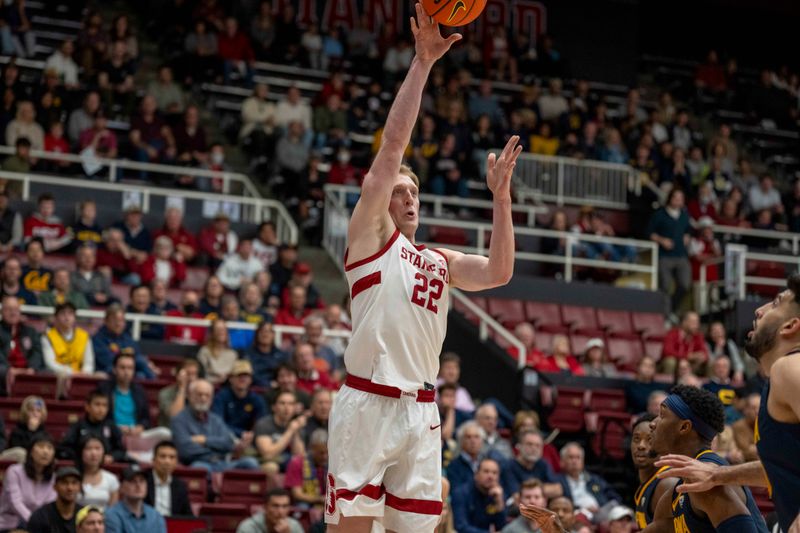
(685, 427)
(790, 328)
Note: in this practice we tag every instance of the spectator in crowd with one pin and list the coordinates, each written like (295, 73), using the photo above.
(564, 509)
(99, 141)
(552, 104)
(560, 360)
(330, 124)
(99, 487)
(141, 302)
(211, 302)
(172, 398)
(296, 311)
(265, 244)
(303, 276)
(595, 360)
(82, 118)
(239, 267)
(528, 464)
(685, 375)
(263, 31)
(21, 161)
(719, 383)
(264, 356)
(336, 320)
(306, 475)
(765, 196)
(237, 404)
(258, 123)
(293, 109)
(167, 94)
(216, 355)
(744, 429)
(704, 204)
(201, 436)
(116, 260)
(283, 269)
(45, 225)
(62, 292)
(274, 517)
(150, 136)
(10, 225)
(201, 60)
(167, 494)
(325, 358)
(115, 79)
(191, 335)
(28, 486)
(654, 401)
(160, 297)
(32, 418)
(480, 505)
(791, 202)
(446, 176)
(20, 344)
(90, 520)
(11, 273)
(493, 443)
(236, 52)
(308, 377)
(280, 436)
(292, 156)
(450, 373)
(190, 139)
(218, 240)
(719, 344)
(620, 519)
(121, 30)
(54, 142)
(131, 513)
(531, 493)
(62, 63)
(137, 236)
(669, 228)
(586, 490)
(35, 277)
(470, 437)
(96, 423)
(239, 337)
(25, 126)
(92, 43)
(286, 381)
(685, 342)
(251, 301)
(87, 280)
(67, 349)
(165, 264)
(182, 239)
(59, 516)
(112, 339)
(319, 413)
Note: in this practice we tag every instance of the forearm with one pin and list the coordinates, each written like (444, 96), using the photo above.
(749, 474)
(501, 247)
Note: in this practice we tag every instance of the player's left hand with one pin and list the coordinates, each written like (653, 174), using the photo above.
(545, 519)
(500, 169)
(428, 41)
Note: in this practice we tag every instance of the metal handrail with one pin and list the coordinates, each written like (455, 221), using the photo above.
(156, 168)
(790, 236)
(261, 208)
(137, 319)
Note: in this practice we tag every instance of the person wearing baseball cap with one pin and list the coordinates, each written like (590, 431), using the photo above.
(59, 516)
(237, 405)
(130, 514)
(620, 519)
(595, 360)
(90, 520)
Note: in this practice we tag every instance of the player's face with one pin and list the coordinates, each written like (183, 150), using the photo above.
(533, 497)
(768, 320)
(641, 444)
(404, 205)
(664, 430)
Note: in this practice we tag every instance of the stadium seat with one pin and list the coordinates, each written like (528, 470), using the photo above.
(625, 352)
(61, 415)
(506, 311)
(80, 386)
(469, 315)
(153, 386)
(447, 235)
(569, 405)
(579, 318)
(610, 439)
(167, 364)
(650, 325)
(196, 480)
(44, 385)
(224, 517)
(652, 348)
(179, 524)
(545, 316)
(607, 400)
(616, 323)
(578, 341)
(544, 341)
(242, 486)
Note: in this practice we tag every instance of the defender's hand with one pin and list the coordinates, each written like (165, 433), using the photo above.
(500, 169)
(429, 43)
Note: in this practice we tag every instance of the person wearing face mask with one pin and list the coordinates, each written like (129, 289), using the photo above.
(192, 335)
(215, 162)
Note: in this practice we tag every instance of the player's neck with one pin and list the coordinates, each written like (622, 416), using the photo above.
(646, 473)
(781, 350)
(690, 447)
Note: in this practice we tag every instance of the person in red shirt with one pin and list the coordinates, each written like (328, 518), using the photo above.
(181, 238)
(308, 377)
(526, 334)
(165, 263)
(217, 240)
(306, 474)
(45, 225)
(560, 360)
(685, 342)
(236, 52)
(294, 313)
(116, 260)
(192, 335)
(54, 141)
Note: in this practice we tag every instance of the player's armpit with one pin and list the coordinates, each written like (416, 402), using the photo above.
(784, 382)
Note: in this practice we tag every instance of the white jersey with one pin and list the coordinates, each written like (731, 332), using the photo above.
(399, 307)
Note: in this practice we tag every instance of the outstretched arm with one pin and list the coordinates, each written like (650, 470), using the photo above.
(699, 476)
(475, 272)
(370, 221)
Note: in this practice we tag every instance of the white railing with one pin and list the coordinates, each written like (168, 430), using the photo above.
(707, 291)
(736, 262)
(137, 319)
(228, 178)
(567, 180)
(437, 203)
(252, 210)
(337, 217)
(779, 236)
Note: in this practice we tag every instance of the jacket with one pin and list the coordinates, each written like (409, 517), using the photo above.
(108, 345)
(138, 395)
(108, 432)
(181, 506)
(219, 439)
(31, 342)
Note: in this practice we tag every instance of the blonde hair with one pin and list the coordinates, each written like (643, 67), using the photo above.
(25, 408)
(405, 170)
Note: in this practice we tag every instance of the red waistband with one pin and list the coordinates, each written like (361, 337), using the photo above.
(362, 384)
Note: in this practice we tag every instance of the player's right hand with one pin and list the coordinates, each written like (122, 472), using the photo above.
(429, 43)
(697, 476)
(545, 519)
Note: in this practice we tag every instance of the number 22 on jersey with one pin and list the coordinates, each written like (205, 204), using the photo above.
(427, 292)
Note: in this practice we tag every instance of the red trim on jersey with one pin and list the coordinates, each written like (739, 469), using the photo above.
(370, 491)
(365, 385)
(410, 505)
(438, 251)
(374, 256)
(419, 247)
(365, 283)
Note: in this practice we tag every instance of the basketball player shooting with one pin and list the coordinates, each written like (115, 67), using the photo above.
(775, 343)
(384, 445)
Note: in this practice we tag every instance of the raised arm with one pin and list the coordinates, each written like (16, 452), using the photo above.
(370, 224)
(700, 477)
(476, 272)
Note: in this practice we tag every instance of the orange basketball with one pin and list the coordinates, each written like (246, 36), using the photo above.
(454, 12)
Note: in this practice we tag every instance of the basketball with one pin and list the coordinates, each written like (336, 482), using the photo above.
(454, 12)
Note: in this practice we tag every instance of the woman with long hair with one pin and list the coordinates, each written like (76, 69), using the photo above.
(264, 355)
(211, 302)
(100, 488)
(32, 416)
(217, 356)
(28, 486)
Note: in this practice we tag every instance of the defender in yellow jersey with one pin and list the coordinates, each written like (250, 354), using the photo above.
(651, 488)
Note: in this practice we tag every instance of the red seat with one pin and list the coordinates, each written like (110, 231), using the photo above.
(177, 524)
(579, 317)
(80, 386)
(167, 364)
(61, 415)
(610, 440)
(196, 480)
(44, 385)
(507, 312)
(607, 400)
(447, 235)
(544, 341)
(765, 269)
(651, 325)
(544, 316)
(224, 517)
(625, 352)
(615, 322)
(578, 342)
(469, 315)
(242, 486)
(568, 410)
(652, 348)
(153, 386)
